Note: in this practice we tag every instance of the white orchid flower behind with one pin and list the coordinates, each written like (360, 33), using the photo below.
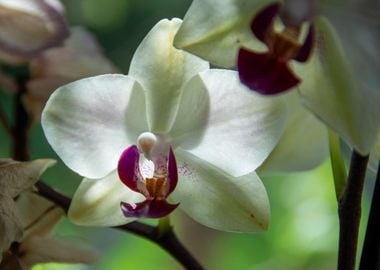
(170, 114)
(328, 86)
(79, 57)
(27, 27)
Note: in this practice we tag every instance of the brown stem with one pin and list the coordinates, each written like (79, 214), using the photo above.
(371, 248)
(349, 212)
(22, 124)
(168, 240)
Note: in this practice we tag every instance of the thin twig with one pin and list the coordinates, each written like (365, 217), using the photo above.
(371, 248)
(350, 211)
(168, 240)
(22, 124)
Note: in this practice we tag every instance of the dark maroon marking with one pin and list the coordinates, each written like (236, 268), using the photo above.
(263, 21)
(264, 73)
(172, 172)
(128, 167)
(305, 51)
(148, 209)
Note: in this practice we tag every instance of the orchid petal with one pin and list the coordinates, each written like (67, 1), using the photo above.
(330, 91)
(30, 26)
(90, 122)
(162, 70)
(215, 30)
(243, 127)
(97, 202)
(304, 143)
(148, 209)
(218, 200)
(191, 120)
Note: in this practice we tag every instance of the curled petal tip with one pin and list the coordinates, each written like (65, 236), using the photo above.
(148, 209)
(128, 167)
(264, 73)
(263, 21)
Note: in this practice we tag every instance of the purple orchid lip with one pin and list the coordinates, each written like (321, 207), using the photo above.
(155, 189)
(263, 22)
(172, 172)
(148, 209)
(307, 47)
(265, 73)
(269, 73)
(128, 167)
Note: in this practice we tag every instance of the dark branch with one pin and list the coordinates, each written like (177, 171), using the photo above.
(22, 123)
(350, 211)
(371, 249)
(167, 241)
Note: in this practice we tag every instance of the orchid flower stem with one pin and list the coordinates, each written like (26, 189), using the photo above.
(20, 131)
(164, 225)
(370, 258)
(165, 238)
(349, 212)
(337, 164)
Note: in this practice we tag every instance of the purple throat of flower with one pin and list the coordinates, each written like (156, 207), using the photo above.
(155, 183)
(269, 72)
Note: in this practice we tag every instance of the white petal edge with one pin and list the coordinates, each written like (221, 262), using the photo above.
(162, 70)
(97, 202)
(243, 127)
(219, 200)
(91, 121)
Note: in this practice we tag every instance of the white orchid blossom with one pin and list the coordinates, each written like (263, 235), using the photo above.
(170, 114)
(27, 27)
(219, 31)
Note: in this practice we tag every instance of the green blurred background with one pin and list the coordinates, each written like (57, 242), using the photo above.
(303, 230)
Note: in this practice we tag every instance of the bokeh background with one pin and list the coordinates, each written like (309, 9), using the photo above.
(304, 225)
